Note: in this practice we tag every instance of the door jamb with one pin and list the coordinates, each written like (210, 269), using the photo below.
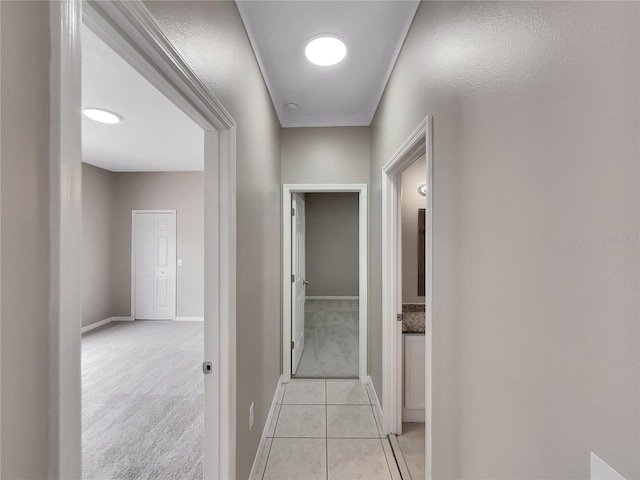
(133, 259)
(417, 144)
(131, 30)
(363, 241)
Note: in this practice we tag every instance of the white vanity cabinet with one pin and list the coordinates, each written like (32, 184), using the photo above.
(414, 393)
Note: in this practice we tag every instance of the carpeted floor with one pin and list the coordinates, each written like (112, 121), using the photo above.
(331, 340)
(142, 401)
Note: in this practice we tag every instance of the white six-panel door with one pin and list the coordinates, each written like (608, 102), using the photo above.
(298, 285)
(155, 266)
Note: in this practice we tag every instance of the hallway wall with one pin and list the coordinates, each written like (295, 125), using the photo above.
(212, 38)
(325, 155)
(536, 220)
(24, 222)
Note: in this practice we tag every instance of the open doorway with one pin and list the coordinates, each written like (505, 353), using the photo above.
(324, 290)
(142, 278)
(407, 301)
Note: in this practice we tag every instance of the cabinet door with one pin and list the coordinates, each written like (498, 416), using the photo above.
(414, 372)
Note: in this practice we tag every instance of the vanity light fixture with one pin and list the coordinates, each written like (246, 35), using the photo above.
(325, 50)
(101, 115)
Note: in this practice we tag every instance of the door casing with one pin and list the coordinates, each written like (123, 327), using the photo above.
(363, 280)
(130, 29)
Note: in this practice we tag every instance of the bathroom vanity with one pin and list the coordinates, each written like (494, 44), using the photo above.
(413, 332)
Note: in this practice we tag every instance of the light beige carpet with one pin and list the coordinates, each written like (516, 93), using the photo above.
(142, 401)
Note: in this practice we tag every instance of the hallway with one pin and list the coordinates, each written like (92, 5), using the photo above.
(326, 429)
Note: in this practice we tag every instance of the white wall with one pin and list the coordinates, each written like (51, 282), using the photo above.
(535, 325)
(332, 246)
(412, 201)
(212, 39)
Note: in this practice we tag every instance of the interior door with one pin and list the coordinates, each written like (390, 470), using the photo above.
(165, 267)
(298, 284)
(155, 266)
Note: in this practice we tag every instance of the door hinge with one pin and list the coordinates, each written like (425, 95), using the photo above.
(293, 345)
(293, 212)
(207, 368)
(293, 278)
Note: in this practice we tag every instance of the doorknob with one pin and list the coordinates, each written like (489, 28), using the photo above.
(306, 282)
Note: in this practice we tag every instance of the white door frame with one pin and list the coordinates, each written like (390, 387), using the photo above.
(363, 240)
(133, 259)
(419, 143)
(130, 29)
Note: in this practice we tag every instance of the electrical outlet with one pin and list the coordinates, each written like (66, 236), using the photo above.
(251, 416)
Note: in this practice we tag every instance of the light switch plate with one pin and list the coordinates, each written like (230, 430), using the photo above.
(179, 262)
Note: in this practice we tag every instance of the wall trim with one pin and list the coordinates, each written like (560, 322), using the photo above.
(265, 431)
(363, 276)
(376, 404)
(189, 319)
(316, 297)
(413, 415)
(97, 324)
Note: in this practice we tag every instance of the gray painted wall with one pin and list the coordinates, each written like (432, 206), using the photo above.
(108, 199)
(331, 236)
(412, 201)
(211, 37)
(325, 155)
(181, 191)
(535, 324)
(98, 250)
(24, 221)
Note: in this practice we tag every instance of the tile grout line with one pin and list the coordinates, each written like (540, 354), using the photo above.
(326, 430)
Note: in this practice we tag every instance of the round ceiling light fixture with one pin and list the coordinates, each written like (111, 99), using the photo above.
(101, 115)
(325, 50)
(291, 106)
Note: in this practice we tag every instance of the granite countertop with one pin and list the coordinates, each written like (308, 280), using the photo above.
(413, 318)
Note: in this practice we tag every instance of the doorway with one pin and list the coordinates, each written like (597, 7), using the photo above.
(325, 281)
(130, 30)
(417, 146)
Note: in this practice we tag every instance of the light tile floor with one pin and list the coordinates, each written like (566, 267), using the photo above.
(326, 430)
(412, 446)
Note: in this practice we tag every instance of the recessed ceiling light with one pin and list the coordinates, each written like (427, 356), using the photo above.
(325, 50)
(291, 106)
(101, 115)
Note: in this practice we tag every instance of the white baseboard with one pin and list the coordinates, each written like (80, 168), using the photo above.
(413, 415)
(189, 319)
(95, 325)
(265, 431)
(310, 297)
(376, 404)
